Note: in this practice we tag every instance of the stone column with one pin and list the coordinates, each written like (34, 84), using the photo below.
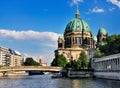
(113, 64)
(112, 68)
(118, 63)
(74, 40)
(104, 65)
(71, 40)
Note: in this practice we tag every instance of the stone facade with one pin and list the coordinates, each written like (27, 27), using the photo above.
(70, 53)
(16, 60)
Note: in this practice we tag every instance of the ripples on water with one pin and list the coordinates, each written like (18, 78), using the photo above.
(45, 81)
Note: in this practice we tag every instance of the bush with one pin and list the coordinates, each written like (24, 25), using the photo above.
(60, 60)
(30, 62)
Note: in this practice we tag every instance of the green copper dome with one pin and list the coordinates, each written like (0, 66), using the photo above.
(61, 37)
(95, 38)
(102, 31)
(77, 25)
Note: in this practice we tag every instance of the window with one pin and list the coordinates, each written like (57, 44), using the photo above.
(60, 45)
(85, 41)
(78, 40)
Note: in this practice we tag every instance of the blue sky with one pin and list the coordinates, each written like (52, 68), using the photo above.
(33, 26)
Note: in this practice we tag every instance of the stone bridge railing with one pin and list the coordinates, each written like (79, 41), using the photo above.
(4, 70)
(27, 68)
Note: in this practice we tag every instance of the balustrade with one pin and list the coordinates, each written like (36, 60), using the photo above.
(108, 63)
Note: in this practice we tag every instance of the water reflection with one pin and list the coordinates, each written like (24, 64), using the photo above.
(45, 81)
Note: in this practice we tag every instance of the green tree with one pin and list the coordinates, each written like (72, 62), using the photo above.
(54, 62)
(60, 60)
(30, 62)
(1, 66)
(112, 45)
(98, 53)
(72, 64)
(78, 63)
(82, 61)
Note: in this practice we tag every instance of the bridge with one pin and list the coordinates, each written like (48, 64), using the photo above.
(5, 70)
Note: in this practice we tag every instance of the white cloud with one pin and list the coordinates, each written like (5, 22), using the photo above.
(28, 34)
(44, 43)
(47, 38)
(97, 10)
(115, 2)
(111, 9)
(75, 2)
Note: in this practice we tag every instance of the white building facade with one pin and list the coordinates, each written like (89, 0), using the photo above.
(10, 57)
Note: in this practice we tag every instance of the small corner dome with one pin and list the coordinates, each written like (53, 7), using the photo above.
(102, 30)
(94, 38)
(61, 37)
(77, 25)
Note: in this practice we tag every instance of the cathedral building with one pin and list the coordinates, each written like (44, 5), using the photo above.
(78, 37)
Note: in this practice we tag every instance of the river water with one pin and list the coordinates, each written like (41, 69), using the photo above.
(45, 81)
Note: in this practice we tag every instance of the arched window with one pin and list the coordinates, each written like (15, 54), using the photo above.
(88, 41)
(103, 39)
(70, 41)
(85, 41)
(60, 45)
(79, 40)
(73, 40)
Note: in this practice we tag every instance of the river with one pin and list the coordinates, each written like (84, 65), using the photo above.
(45, 81)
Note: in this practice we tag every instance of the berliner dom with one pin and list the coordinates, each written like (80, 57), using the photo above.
(78, 37)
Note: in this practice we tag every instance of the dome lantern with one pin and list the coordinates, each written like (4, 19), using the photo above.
(77, 14)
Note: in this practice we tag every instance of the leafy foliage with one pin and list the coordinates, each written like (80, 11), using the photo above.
(30, 62)
(81, 63)
(1, 66)
(72, 64)
(112, 45)
(98, 53)
(60, 60)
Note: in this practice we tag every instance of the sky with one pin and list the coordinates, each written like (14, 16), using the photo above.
(32, 27)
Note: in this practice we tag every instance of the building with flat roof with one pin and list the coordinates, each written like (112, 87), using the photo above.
(3, 56)
(9, 57)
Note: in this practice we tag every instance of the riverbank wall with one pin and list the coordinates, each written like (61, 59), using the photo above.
(107, 75)
(77, 73)
(107, 67)
(94, 74)
(80, 74)
(12, 73)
